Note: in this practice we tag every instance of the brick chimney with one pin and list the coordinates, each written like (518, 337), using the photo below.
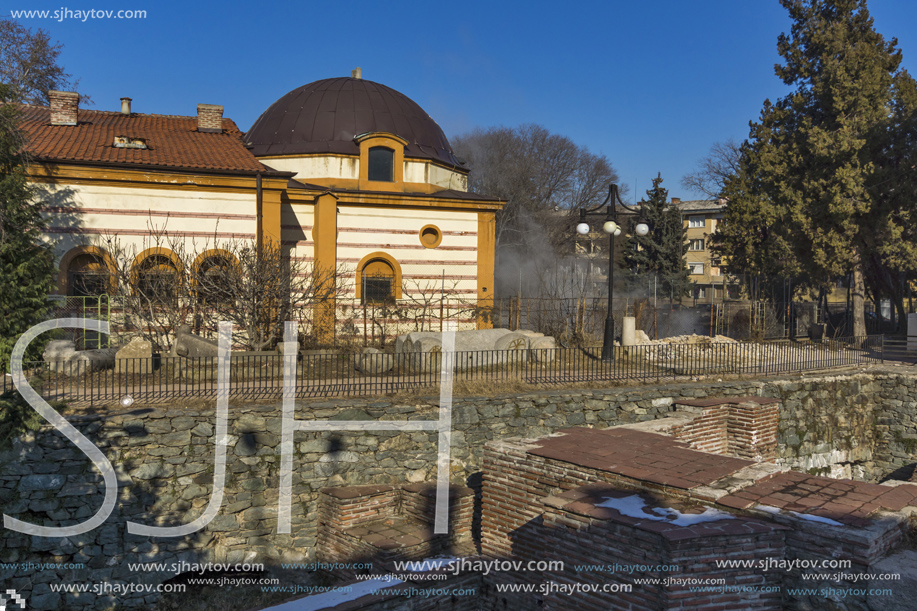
(210, 118)
(64, 106)
(676, 200)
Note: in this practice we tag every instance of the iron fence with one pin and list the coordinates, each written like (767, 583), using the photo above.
(335, 374)
(97, 308)
(583, 318)
(579, 320)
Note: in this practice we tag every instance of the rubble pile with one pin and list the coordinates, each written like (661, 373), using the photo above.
(724, 354)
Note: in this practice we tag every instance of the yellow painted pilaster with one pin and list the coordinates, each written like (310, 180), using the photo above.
(324, 235)
(269, 226)
(487, 244)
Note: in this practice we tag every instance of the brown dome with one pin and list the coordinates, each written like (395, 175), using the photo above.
(325, 116)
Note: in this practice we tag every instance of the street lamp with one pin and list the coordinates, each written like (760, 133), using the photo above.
(613, 229)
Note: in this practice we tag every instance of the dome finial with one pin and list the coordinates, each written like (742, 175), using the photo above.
(356, 73)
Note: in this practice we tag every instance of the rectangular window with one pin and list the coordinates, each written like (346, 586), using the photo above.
(695, 222)
(696, 269)
(695, 245)
(699, 292)
(377, 289)
(381, 164)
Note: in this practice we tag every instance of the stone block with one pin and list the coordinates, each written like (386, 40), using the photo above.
(629, 331)
(374, 361)
(427, 354)
(135, 358)
(512, 347)
(405, 343)
(57, 353)
(88, 361)
(192, 346)
(41, 482)
(543, 349)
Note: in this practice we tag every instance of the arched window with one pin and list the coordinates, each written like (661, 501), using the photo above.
(213, 273)
(86, 271)
(378, 282)
(157, 276)
(378, 278)
(87, 276)
(381, 164)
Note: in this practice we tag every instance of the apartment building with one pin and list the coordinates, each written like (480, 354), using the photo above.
(700, 219)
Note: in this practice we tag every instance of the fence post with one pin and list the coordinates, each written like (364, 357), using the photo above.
(882, 348)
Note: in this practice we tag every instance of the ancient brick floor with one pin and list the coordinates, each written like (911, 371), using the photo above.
(845, 501)
(635, 454)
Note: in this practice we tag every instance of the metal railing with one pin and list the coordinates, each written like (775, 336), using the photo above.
(327, 375)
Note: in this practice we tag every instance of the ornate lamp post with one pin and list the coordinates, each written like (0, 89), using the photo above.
(613, 229)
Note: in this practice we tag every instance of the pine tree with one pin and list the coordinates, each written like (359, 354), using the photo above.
(832, 159)
(26, 264)
(662, 251)
(747, 239)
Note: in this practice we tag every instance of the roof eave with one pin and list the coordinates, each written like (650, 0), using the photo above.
(166, 168)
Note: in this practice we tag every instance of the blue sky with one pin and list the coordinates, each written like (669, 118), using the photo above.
(650, 85)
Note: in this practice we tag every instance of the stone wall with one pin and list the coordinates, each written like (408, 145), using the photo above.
(827, 425)
(862, 424)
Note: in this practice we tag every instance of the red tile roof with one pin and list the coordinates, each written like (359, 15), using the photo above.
(174, 142)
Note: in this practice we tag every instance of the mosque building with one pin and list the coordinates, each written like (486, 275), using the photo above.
(343, 173)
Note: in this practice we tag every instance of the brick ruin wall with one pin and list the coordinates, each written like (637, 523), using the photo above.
(535, 509)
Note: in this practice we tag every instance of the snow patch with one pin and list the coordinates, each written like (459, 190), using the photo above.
(634, 506)
(811, 518)
(803, 516)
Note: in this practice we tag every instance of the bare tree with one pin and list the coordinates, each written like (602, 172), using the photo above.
(258, 288)
(28, 64)
(712, 171)
(425, 302)
(545, 179)
(543, 176)
(152, 295)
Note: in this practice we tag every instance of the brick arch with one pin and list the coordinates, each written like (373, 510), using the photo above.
(137, 265)
(72, 254)
(378, 256)
(201, 259)
(213, 252)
